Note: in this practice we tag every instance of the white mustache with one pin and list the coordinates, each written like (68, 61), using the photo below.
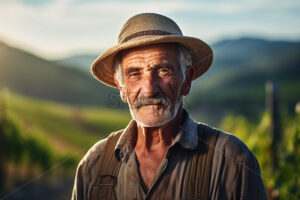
(161, 100)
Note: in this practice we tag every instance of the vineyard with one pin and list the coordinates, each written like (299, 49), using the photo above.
(41, 138)
(282, 181)
(48, 139)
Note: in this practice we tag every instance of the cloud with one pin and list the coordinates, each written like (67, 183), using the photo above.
(56, 27)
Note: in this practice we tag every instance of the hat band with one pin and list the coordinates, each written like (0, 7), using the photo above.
(143, 33)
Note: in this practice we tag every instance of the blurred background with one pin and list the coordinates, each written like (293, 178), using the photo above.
(52, 110)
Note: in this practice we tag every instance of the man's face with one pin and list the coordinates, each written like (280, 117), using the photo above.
(152, 84)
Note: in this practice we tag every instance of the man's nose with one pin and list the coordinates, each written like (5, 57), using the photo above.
(149, 85)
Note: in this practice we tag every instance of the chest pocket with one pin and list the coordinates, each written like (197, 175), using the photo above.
(103, 188)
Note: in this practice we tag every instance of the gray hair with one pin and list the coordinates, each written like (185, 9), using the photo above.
(184, 59)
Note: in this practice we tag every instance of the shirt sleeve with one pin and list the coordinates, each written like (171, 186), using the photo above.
(250, 180)
(78, 193)
(236, 172)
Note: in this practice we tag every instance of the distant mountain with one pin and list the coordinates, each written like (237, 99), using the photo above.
(81, 62)
(234, 55)
(236, 81)
(250, 52)
(30, 75)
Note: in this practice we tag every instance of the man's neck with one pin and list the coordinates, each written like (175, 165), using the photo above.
(150, 138)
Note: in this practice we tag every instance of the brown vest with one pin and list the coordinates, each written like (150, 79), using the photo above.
(197, 177)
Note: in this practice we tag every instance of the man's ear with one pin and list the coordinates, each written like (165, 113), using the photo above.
(188, 80)
(122, 92)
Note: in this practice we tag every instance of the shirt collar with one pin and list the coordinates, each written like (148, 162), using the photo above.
(186, 136)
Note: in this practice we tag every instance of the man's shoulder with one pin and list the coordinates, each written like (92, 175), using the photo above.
(229, 145)
(232, 147)
(87, 168)
(236, 169)
(89, 161)
(95, 151)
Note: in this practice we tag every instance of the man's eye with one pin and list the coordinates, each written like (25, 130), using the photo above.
(134, 74)
(164, 71)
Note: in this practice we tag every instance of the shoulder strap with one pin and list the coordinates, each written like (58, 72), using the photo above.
(197, 179)
(107, 171)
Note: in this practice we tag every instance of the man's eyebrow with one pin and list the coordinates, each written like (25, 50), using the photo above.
(132, 69)
(160, 65)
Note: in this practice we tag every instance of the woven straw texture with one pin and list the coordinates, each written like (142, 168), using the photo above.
(146, 29)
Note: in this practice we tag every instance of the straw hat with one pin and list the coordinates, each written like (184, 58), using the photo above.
(145, 29)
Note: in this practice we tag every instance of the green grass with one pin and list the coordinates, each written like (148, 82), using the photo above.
(67, 127)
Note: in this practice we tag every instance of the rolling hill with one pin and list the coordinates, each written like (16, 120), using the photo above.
(237, 79)
(81, 62)
(30, 75)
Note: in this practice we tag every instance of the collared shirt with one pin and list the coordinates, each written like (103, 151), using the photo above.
(235, 171)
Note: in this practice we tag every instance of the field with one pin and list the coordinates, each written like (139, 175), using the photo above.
(66, 128)
(41, 143)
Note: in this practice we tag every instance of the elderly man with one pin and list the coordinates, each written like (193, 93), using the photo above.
(162, 153)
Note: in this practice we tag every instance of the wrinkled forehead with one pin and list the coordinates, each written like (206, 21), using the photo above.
(166, 50)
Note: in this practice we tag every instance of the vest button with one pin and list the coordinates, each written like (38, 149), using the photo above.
(121, 155)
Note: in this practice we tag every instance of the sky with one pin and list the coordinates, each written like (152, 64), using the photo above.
(54, 29)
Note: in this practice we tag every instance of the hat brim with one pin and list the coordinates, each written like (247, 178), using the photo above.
(202, 56)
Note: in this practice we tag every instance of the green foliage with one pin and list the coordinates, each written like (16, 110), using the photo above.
(21, 148)
(67, 161)
(287, 178)
(284, 181)
(47, 134)
(77, 127)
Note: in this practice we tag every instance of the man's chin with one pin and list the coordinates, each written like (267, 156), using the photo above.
(149, 117)
(153, 123)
